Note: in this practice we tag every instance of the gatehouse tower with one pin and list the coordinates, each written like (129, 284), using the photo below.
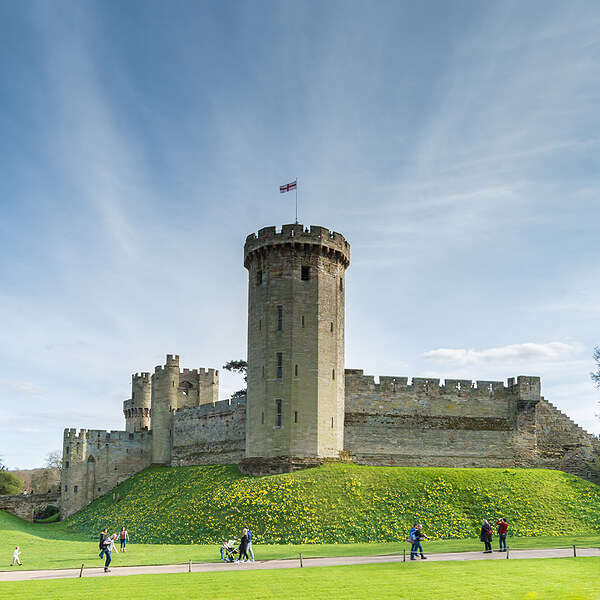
(296, 308)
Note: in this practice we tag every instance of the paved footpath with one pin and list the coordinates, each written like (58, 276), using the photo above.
(19, 575)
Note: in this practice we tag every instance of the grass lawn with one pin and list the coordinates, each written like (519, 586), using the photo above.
(572, 578)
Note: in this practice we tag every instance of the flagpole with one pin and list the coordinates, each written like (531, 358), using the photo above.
(296, 201)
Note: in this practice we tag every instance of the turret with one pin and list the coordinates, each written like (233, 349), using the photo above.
(165, 391)
(296, 307)
(137, 408)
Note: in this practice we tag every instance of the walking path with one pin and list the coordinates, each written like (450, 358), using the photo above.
(19, 575)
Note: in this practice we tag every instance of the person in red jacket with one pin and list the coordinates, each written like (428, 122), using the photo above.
(502, 529)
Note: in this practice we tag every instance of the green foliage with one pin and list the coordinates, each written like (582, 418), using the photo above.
(341, 504)
(10, 483)
(238, 366)
(48, 511)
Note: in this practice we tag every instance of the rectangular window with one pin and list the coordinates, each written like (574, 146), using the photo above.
(302, 321)
(331, 421)
(263, 371)
(260, 324)
(296, 370)
(65, 488)
(295, 416)
(67, 450)
(258, 277)
(279, 365)
(262, 418)
(333, 374)
(67, 465)
(280, 318)
(305, 273)
(74, 488)
(99, 489)
(278, 421)
(331, 327)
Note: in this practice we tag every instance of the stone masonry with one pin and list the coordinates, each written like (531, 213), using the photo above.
(303, 408)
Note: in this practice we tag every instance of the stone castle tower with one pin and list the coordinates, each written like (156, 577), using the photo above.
(295, 401)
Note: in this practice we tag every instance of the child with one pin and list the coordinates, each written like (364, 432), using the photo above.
(16, 557)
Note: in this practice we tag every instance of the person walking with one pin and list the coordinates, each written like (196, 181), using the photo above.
(103, 535)
(16, 557)
(486, 536)
(123, 538)
(244, 546)
(249, 546)
(417, 548)
(109, 546)
(502, 530)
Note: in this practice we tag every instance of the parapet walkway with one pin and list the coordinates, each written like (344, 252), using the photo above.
(95, 571)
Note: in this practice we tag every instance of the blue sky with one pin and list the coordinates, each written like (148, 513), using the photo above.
(454, 144)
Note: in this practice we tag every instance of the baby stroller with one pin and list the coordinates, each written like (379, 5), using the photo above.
(229, 551)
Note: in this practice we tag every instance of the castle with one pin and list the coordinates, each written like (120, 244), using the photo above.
(303, 407)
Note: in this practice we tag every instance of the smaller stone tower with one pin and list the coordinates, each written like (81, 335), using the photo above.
(137, 408)
(165, 391)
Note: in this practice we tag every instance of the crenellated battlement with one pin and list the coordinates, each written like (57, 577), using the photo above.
(93, 435)
(356, 379)
(216, 408)
(297, 235)
(201, 374)
(141, 378)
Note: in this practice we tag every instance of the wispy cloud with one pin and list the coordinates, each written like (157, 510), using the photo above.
(510, 355)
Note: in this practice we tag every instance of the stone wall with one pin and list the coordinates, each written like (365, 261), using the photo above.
(96, 461)
(25, 506)
(563, 445)
(209, 434)
(423, 423)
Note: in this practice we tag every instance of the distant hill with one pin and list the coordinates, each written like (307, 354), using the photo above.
(340, 503)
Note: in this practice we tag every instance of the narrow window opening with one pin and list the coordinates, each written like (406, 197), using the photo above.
(279, 365)
(262, 418)
(278, 421)
(99, 489)
(74, 488)
(66, 488)
(333, 374)
(295, 416)
(67, 449)
(67, 465)
(296, 371)
(260, 324)
(305, 274)
(332, 422)
(331, 327)
(280, 318)
(258, 277)
(341, 285)
(263, 371)
(302, 321)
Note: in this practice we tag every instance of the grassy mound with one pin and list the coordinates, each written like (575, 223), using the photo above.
(340, 504)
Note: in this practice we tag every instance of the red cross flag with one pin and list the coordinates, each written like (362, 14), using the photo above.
(288, 187)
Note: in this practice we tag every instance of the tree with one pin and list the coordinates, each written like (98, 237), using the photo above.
(53, 460)
(596, 375)
(10, 483)
(241, 367)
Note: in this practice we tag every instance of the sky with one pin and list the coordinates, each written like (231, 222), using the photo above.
(454, 144)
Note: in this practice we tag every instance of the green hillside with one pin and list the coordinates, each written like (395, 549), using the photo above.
(340, 504)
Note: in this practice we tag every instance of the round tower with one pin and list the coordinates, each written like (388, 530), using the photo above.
(165, 389)
(295, 401)
(137, 408)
